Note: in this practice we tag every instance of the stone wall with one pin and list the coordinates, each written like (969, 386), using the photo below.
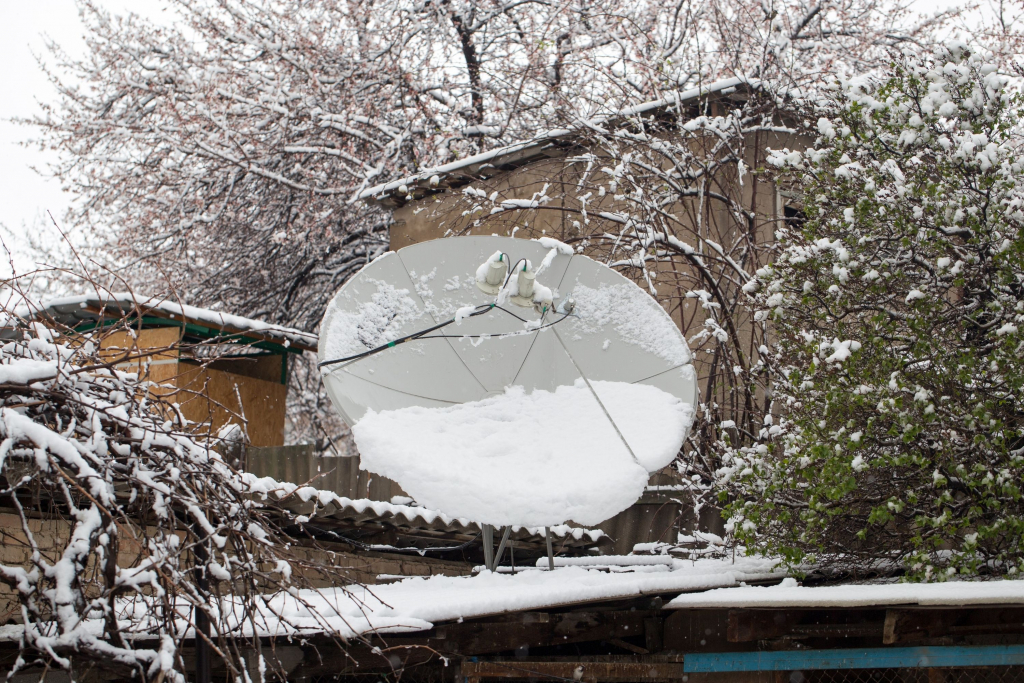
(51, 536)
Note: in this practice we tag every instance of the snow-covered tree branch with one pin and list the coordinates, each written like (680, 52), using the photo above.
(135, 533)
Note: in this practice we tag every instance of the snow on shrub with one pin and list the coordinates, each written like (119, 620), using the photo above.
(896, 308)
(131, 526)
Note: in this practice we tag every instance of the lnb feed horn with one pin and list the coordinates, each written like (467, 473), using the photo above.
(495, 272)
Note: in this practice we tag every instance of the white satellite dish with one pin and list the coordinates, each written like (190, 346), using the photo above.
(507, 381)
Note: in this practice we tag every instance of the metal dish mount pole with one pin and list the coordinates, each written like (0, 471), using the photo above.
(488, 541)
(492, 559)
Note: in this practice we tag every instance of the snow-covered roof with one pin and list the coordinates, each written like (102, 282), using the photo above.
(517, 154)
(74, 310)
(789, 594)
(416, 604)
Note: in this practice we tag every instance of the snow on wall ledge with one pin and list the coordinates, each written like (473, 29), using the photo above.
(789, 594)
(535, 459)
(417, 604)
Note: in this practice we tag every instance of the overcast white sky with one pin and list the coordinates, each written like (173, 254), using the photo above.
(25, 196)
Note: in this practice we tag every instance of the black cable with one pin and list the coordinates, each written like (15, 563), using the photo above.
(511, 313)
(480, 310)
(500, 335)
(512, 270)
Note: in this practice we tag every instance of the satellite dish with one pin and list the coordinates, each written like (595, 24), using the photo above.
(507, 381)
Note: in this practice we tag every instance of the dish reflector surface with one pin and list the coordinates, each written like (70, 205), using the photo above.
(493, 419)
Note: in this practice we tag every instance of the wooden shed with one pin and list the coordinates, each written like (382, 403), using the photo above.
(218, 368)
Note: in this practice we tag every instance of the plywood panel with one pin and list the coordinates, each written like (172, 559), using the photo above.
(159, 366)
(155, 338)
(269, 367)
(206, 395)
(209, 395)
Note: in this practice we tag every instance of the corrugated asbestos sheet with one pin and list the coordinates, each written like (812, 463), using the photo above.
(374, 513)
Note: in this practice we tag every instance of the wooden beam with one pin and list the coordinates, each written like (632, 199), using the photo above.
(536, 629)
(908, 625)
(891, 626)
(629, 647)
(747, 626)
(587, 672)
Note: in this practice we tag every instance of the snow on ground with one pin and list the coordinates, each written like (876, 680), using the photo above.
(533, 459)
(789, 594)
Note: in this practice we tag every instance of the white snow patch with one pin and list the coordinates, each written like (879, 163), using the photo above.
(128, 301)
(841, 350)
(373, 323)
(27, 370)
(948, 593)
(552, 243)
(654, 423)
(637, 318)
(464, 313)
(481, 272)
(416, 604)
(611, 561)
(534, 459)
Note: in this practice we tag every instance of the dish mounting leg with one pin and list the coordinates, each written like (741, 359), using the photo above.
(487, 531)
(501, 547)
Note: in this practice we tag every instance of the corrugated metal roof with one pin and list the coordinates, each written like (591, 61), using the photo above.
(324, 506)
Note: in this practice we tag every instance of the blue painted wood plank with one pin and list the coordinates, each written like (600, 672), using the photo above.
(872, 658)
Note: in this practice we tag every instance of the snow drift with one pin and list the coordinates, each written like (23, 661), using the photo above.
(535, 459)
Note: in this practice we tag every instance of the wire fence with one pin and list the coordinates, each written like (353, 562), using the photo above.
(989, 674)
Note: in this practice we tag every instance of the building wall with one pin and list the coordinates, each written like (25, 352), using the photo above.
(212, 396)
(53, 535)
(451, 212)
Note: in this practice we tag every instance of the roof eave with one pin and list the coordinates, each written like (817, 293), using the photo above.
(549, 144)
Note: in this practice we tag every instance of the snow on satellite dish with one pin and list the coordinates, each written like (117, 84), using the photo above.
(507, 381)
